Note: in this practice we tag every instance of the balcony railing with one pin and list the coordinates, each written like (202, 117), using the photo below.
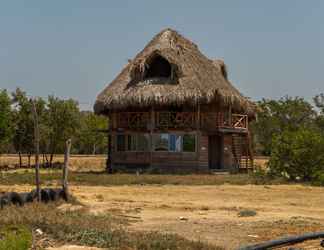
(133, 120)
(240, 121)
(181, 120)
(175, 120)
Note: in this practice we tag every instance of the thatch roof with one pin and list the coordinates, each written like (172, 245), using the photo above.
(195, 79)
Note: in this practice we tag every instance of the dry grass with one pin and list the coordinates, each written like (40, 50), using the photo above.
(49, 177)
(261, 161)
(80, 163)
(82, 228)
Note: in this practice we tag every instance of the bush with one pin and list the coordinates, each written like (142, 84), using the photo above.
(247, 213)
(297, 155)
(15, 238)
(318, 178)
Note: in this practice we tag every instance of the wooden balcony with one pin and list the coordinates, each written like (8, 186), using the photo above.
(175, 120)
(209, 121)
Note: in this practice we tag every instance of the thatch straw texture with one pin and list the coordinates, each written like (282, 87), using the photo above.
(195, 79)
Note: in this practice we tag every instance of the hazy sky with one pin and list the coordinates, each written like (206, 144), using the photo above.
(73, 48)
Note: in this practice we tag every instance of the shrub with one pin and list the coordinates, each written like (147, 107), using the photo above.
(15, 238)
(247, 213)
(297, 155)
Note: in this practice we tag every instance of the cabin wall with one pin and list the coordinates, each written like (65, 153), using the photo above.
(203, 153)
(228, 160)
(170, 162)
(197, 161)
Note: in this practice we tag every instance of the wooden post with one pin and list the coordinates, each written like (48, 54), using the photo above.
(110, 128)
(36, 140)
(152, 126)
(66, 168)
(198, 133)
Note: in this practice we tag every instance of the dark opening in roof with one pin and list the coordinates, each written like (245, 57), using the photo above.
(158, 67)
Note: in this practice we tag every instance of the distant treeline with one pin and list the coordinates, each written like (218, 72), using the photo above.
(289, 130)
(58, 120)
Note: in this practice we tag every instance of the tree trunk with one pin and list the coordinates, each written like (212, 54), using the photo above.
(20, 159)
(51, 160)
(47, 161)
(29, 156)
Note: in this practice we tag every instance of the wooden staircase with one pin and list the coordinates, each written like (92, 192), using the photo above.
(242, 151)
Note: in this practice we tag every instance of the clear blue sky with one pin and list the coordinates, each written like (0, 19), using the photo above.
(73, 48)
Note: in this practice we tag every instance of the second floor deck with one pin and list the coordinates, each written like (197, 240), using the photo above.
(165, 120)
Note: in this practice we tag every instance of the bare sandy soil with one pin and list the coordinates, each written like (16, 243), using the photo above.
(210, 213)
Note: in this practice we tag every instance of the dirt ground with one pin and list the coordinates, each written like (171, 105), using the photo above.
(210, 213)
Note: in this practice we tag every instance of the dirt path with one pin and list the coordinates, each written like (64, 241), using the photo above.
(210, 213)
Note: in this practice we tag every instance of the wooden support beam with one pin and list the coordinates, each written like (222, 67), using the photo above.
(109, 153)
(152, 126)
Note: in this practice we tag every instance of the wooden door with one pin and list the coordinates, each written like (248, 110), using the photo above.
(215, 149)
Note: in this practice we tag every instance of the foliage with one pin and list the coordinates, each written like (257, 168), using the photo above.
(247, 213)
(15, 238)
(92, 138)
(59, 120)
(6, 129)
(297, 154)
(276, 116)
(319, 103)
(62, 120)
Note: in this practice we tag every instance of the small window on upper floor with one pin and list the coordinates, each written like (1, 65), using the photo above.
(158, 67)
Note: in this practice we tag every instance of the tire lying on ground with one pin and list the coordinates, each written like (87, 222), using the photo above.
(61, 194)
(28, 197)
(47, 195)
(11, 198)
(4, 201)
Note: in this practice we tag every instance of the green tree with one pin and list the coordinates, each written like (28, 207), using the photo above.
(24, 123)
(62, 121)
(275, 117)
(6, 126)
(319, 103)
(92, 138)
(297, 153)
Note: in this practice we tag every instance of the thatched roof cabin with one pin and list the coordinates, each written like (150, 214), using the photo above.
(172, 108)
(186, 76)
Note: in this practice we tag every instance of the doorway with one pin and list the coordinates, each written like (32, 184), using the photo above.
(215, 149)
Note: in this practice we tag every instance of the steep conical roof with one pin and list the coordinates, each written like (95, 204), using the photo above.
(196, 79)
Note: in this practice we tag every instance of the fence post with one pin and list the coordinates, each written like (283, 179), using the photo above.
(36, 138)
(66, 168)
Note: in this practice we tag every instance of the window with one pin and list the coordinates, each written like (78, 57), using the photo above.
(143, 142)
(158, 67)
(189, 143)
(161, 142)
(174, 143)
(121, 143)
(131, 142)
